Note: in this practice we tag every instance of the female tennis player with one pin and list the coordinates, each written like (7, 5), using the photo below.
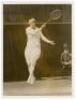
(33, 47)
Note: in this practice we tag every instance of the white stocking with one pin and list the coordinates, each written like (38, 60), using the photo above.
(31, 77)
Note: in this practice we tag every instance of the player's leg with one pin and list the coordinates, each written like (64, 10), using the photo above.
(28, 63)
(31, 72)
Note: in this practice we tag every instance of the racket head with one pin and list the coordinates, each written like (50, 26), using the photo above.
(55, 14)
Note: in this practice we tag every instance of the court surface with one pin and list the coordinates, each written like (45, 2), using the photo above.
(46, 86)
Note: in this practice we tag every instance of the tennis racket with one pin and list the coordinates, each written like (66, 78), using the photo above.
(53, 16)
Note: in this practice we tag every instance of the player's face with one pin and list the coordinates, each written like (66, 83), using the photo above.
(33, 24)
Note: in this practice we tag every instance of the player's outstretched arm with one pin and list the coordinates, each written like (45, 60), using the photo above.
(47, 40)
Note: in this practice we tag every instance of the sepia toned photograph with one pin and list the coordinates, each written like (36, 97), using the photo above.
(37, 49)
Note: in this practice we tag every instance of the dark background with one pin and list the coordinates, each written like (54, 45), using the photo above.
(15, 22)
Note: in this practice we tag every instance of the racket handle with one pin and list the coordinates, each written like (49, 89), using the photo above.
(42, 26)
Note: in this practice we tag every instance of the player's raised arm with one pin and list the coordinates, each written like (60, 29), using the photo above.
(42, 26)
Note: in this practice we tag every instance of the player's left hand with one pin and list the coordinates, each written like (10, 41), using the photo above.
(52, 42)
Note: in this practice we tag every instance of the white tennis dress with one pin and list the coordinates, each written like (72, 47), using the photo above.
(33, 47)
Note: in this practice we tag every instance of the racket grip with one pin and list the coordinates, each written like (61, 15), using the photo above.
(42, 26)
